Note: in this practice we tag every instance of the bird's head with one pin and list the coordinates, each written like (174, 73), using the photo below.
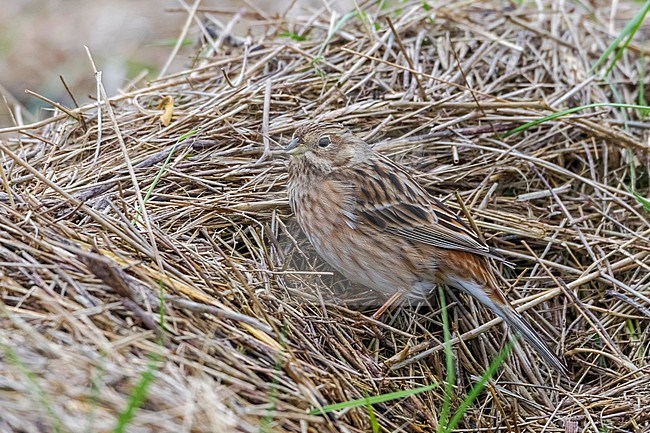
(326, 146)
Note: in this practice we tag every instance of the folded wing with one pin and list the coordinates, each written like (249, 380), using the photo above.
(402, 207)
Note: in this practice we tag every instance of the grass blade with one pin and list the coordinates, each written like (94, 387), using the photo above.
(450, 378)
(141, 390)
(571, 111)
(162, 170)
(478, 387)
(374, 425)
(642, 101)
(334, 29)
(138, 395)
(642, 200)
(166, 163)
(628, 32)
(267, 421)
(373, 400)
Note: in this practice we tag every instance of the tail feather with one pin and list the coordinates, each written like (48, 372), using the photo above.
(492, 298)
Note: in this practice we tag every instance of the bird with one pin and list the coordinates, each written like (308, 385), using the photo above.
(369, 219)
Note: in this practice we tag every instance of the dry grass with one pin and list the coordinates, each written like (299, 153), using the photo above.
(90, 242)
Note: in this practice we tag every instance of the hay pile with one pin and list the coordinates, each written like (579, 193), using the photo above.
(105, 219)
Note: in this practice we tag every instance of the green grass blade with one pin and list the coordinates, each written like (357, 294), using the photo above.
(141, 390)
(642, 200)
(161, 305)
(372, 400)
(478, 387)
(623, 47)
(267, 421)
(138, 395)
(627, 33)
(334, 29)
(294, 36)
(171, 42)
(642, 100)
(571, 111)
(159, 175)
(162, 171)
(618, 99)
(618, 55)
(450, 378)
(166, 163)
(374, 425)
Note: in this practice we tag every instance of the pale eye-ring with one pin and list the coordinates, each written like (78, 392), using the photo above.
(324, 141)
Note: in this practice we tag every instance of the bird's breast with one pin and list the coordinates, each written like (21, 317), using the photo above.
(363, 254)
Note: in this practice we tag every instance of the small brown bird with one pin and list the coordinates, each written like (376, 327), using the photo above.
(369, 219)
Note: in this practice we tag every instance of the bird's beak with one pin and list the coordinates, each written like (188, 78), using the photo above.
(295, 148)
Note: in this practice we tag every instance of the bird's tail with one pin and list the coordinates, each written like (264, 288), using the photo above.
(490, 296)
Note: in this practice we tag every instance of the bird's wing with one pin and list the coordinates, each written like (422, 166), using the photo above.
(389, 199)
(432, 226)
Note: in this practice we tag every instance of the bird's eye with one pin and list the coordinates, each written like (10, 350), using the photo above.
(324, 141)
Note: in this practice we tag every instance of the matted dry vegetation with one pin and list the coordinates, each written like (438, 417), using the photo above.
(249, 344)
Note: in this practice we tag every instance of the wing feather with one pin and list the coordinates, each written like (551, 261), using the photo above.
(399, 205)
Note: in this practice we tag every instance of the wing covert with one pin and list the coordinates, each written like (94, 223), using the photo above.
(399, 205)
